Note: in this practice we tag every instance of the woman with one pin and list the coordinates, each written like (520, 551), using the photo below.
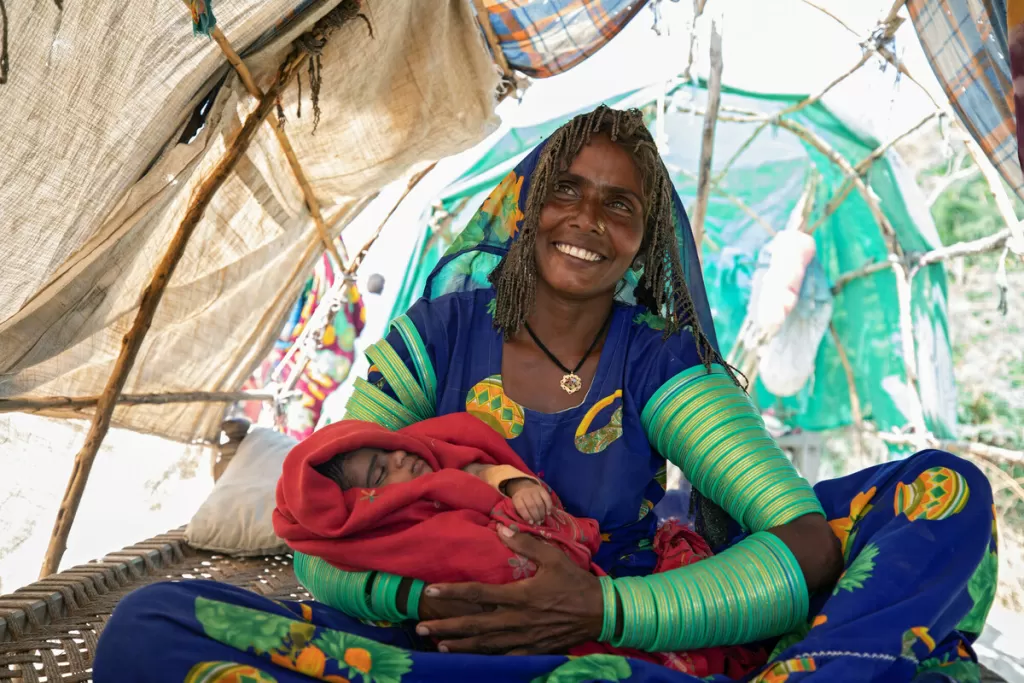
(565, 318)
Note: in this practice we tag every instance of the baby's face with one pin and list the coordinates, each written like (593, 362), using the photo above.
(373, 467)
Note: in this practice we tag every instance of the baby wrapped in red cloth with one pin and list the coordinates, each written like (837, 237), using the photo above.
(425, 502)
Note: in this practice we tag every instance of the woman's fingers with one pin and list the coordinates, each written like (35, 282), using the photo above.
(477, 593)
(492, 644)
(488, 623)
(434, 609)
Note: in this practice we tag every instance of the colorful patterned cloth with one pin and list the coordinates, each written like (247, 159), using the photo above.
(894, 612)
(543, 38)
(967, 46)
(329, 366)
(906, 602)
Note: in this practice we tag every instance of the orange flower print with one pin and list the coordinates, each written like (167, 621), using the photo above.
(359, 659)
(503, 204)
(307, 611)
(859, 506)
(819, 620)
(369, 495)
(311, 661)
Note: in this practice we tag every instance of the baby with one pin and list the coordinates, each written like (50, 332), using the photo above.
(373, 468)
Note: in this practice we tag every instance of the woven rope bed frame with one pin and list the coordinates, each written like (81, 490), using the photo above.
(50, 628)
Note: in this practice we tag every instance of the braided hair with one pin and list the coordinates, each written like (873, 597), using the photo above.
(663, 287)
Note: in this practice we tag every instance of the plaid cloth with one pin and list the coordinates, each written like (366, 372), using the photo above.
(542, 38)
(966, 43)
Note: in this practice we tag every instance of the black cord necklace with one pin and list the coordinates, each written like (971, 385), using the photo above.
(571, 382)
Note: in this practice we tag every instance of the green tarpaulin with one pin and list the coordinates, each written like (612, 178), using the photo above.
(769, 176)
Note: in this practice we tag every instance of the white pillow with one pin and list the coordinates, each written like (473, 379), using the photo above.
(236, 518)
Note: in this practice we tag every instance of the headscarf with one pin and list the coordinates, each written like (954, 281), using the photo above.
(486, 239)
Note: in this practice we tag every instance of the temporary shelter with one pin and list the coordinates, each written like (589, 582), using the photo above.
(155, 183)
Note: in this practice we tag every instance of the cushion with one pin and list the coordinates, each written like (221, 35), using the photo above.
(236, 518)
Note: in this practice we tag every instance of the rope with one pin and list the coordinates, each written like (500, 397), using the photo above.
(313, 42)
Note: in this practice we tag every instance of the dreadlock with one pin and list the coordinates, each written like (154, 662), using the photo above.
(663, 288)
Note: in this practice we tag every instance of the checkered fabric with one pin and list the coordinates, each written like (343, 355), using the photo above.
(542, 38)
(966, 43)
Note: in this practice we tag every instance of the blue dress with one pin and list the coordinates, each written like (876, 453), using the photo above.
(905, 605)
(578, 451)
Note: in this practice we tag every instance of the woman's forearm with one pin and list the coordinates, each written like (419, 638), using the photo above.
(752, 591)
(706, 425)
(373, 596)
(815, 548)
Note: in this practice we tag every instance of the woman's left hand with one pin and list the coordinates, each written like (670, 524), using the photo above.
(557, 608)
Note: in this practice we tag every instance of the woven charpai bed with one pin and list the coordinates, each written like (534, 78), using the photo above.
(50, 628)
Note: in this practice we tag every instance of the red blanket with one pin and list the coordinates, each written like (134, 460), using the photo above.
(399, 529)
(441, 527)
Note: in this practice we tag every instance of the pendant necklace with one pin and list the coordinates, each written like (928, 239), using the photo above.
(571, 382)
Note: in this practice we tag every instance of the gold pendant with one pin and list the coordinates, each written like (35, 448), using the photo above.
(571, 383)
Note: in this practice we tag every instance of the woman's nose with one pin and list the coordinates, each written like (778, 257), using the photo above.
(586, 217)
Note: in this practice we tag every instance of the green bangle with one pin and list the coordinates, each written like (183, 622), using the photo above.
(384, 597)
(611, 609)
(751, 591)
(708, 426)
(412, 605)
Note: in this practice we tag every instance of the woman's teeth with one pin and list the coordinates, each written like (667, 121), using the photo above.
(578, 252)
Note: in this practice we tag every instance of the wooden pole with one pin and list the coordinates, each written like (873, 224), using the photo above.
(76, 403)
(981, 245)
(357, 260)
(151, 297)
(708, 139)
(289, 152)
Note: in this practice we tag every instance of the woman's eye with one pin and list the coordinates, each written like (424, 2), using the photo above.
(565, 188)
(620, 205)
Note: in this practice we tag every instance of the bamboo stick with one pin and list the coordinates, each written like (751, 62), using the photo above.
(733, 199)
(928, 440)
(856, 412)
(286, 146)
(77, 403)
(867, 269)
(708, 139)
(959, 250)
(148, 303)
(808, 101)
(903, 298)
(357, 260)
(862, 168)
(995, 186)
(317, 319)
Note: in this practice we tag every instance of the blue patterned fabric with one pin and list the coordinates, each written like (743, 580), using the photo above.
(895, 612)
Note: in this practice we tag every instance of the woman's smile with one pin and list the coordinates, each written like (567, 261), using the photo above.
(578, 253)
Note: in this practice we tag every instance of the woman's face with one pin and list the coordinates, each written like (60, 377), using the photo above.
(592, 224)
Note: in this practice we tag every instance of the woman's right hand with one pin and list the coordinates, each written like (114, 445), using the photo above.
(432, 609)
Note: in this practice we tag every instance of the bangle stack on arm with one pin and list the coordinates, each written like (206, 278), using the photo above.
(707, 426)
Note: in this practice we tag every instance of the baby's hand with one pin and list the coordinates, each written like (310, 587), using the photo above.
(532, 501)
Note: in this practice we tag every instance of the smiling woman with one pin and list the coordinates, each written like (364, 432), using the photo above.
(570, 316)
